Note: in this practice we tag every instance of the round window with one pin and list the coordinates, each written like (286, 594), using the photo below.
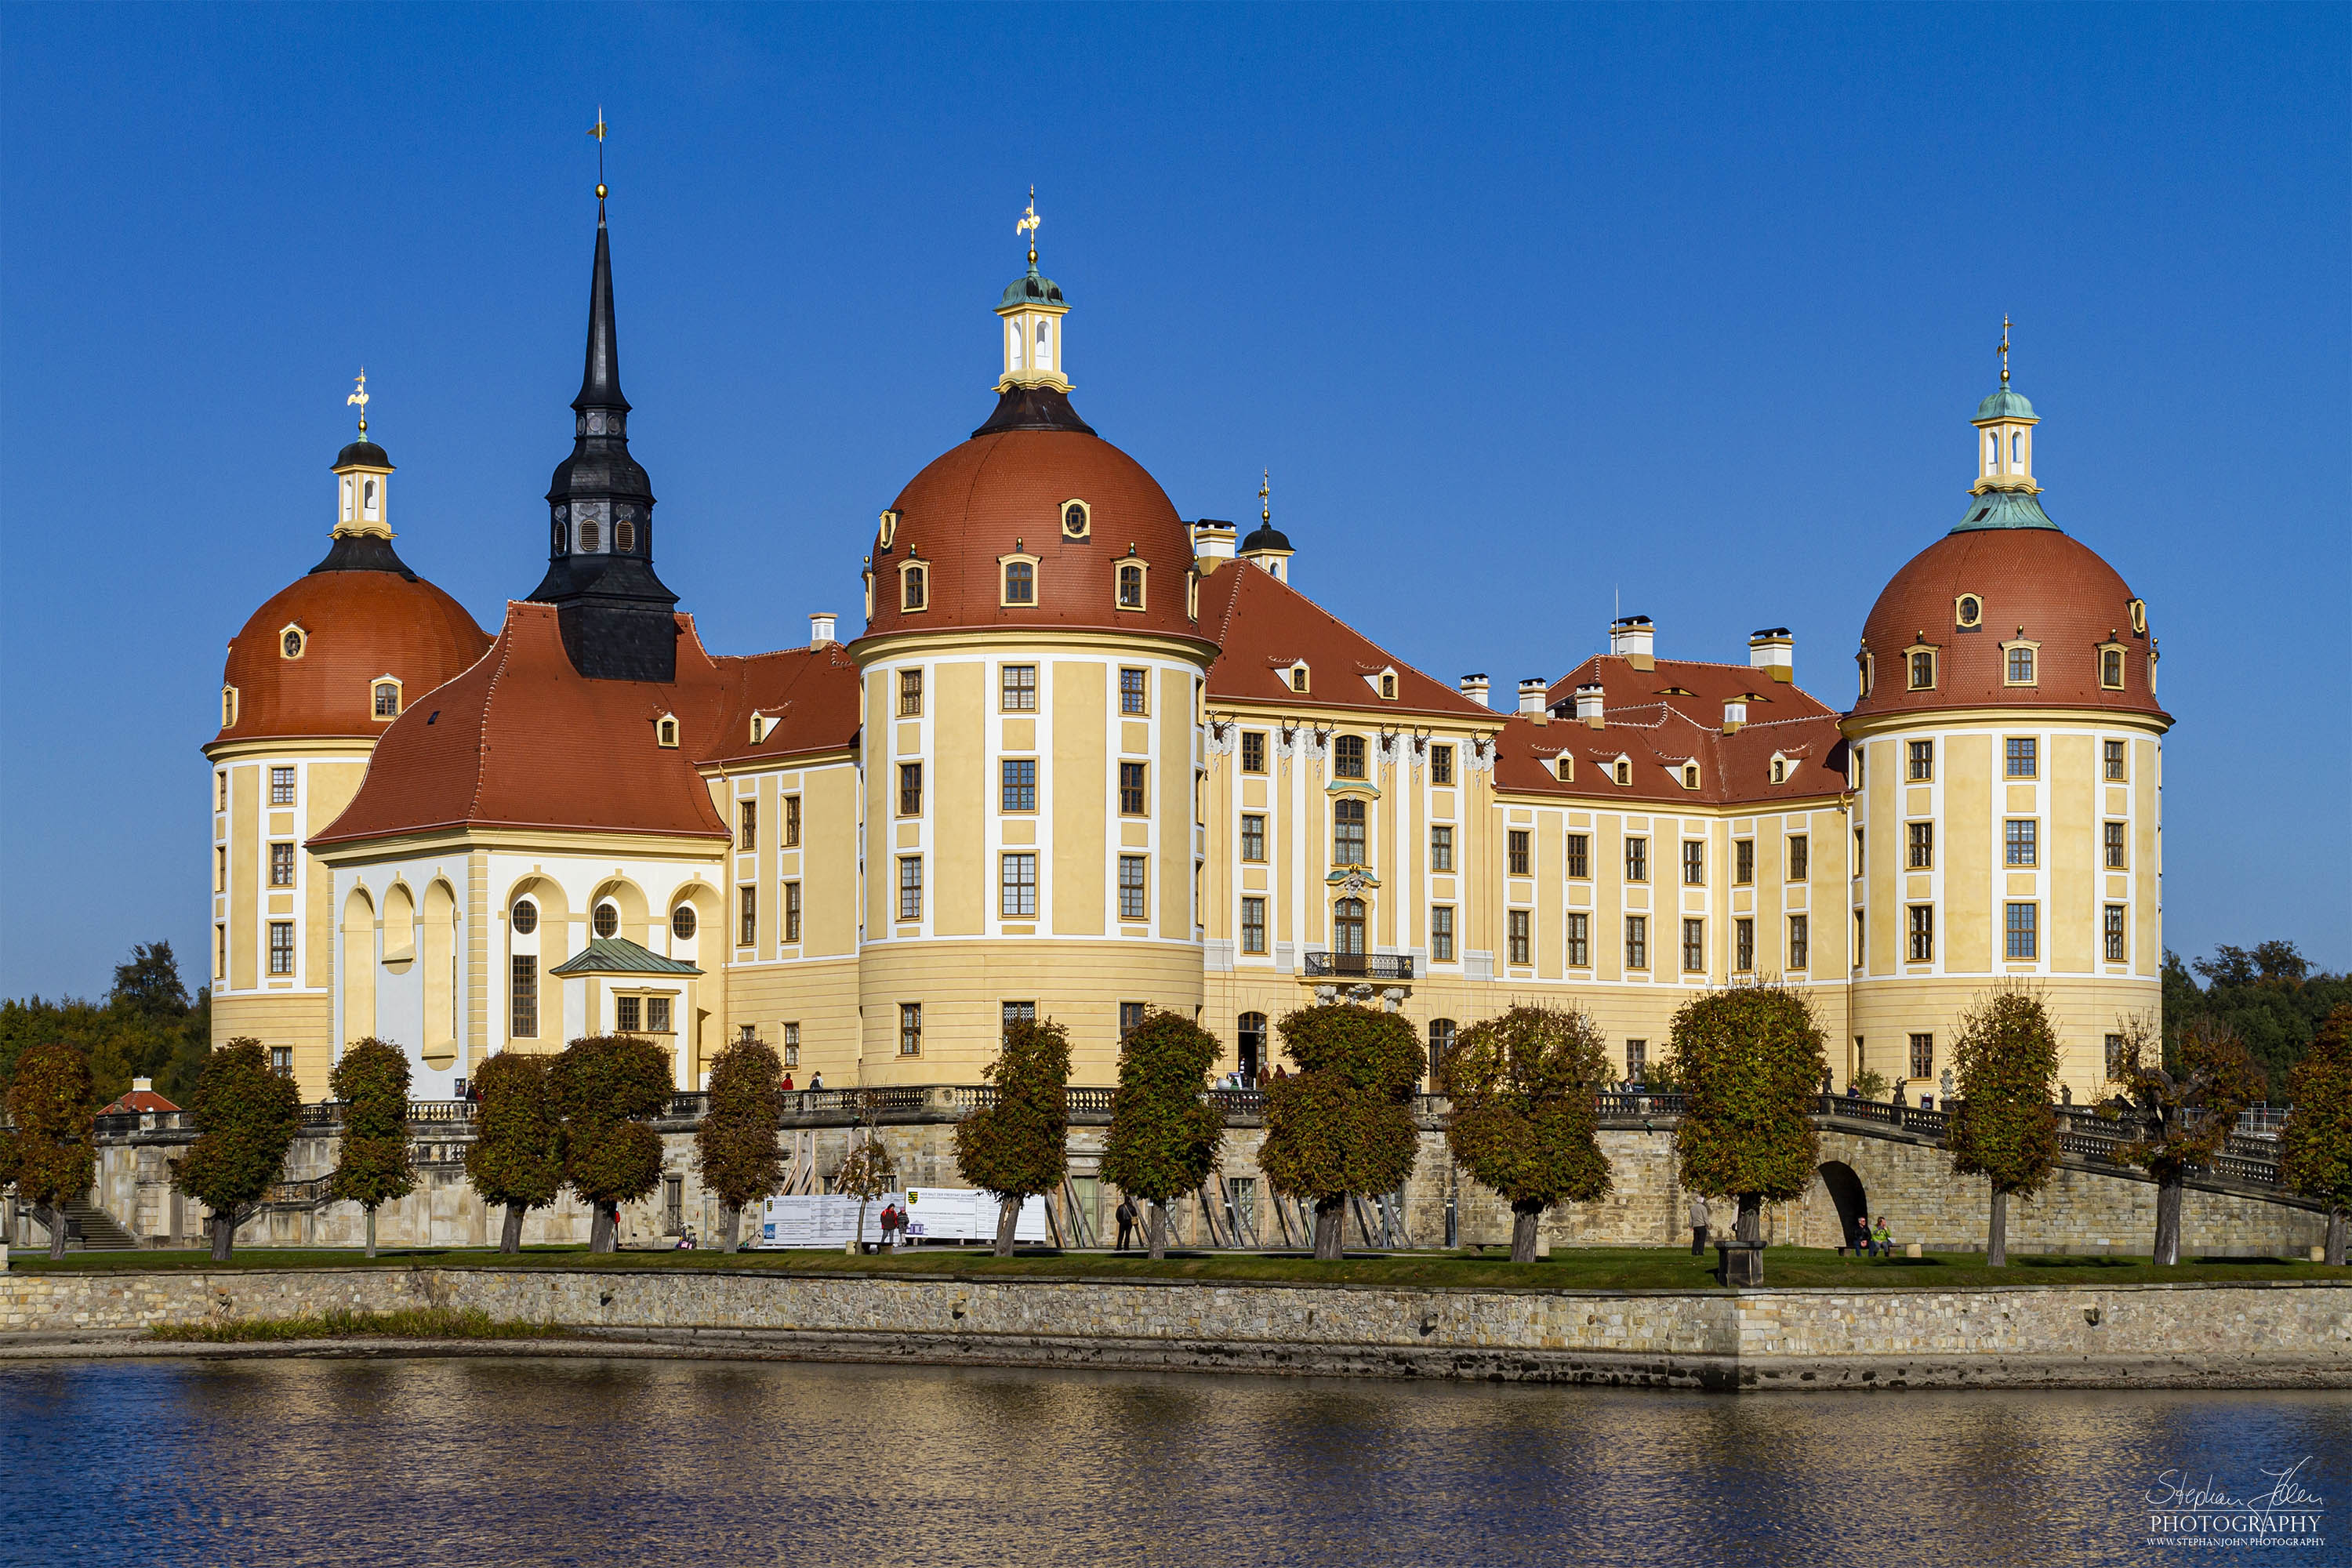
(1073, 519)
(293, 645)
(1971, 610)
(526, 917)
(681, 921)
(608, 920)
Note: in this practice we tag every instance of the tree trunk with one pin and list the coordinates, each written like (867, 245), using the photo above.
(224, 1234)
(861, 1223)
(1526, 1220)
(1008, 1216)
(1330, 1228)
(371, 1230)
(1155, 1223)
(601, 1227)
(1997, 1235)
(730, 1224)
(57, 1223)
(2335, 1253)
(511, 1233)
(1750, 1226)
(2168, 1219)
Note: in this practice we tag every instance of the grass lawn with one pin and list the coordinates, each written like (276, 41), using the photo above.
(1581, 1268)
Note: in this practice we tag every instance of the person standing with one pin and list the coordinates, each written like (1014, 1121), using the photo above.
(1699, 1220)
(1126, 1217)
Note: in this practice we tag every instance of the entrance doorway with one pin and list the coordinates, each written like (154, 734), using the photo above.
(1250, 1039)
(1852, 1202)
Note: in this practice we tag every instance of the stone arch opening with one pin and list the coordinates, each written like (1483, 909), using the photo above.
(1845, 1190)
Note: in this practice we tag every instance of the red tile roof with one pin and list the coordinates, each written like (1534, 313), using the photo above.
(356, 626)
(1263, 626)
(138, 1099)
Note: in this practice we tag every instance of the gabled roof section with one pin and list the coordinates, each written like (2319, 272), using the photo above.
(1263, 626)
(619, 955)
(808, 694)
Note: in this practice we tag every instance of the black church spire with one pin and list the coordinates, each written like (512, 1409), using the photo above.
(617, 617)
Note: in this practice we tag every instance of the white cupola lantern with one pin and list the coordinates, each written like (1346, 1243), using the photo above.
(2005, 422)
(1033, 310)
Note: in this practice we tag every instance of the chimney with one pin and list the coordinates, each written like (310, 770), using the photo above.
(1590, 702)
(1212, 544)
(821, 628)
(1474, 686)
(142, 1086)
(1632, 637)
(1735, 713)
(1531, 698)
(1773, 651)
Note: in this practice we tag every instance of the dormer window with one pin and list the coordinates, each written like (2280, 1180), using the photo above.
(1690, 775)
(888, 529)
(758, 727)
(1388, 686)
(2138, 609)
(1130, 584)
(913, 586)
(666, 730)
(2111, 666)
(2017, 663)
(1779, 770)
(1565, 767)
(1077, 520)
(1020, 582)
(1299, 676)
(1624, 770)
(1923, 669)
(291, 642)
(228, 711)
(388, 698)
(1865, 672)
(1968, 611)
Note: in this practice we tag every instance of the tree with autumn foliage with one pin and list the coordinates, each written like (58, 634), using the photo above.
(2002, 1127)
(2180, 1120)
(2315, 1145)
(1751, 1064)
(1343, 1123)
(1526, 1121)
(247, 1115)
(1015, 1147)
(50, 1148)
(608, 1089)
(516, 1160)
(373, 1167)
(1164, 1133)
(867, 1172)
(736, 1147)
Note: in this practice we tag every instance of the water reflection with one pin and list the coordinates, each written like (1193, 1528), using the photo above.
(553, 1461)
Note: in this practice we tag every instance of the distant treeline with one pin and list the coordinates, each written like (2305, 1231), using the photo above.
(2269, 994)
(146, 1027)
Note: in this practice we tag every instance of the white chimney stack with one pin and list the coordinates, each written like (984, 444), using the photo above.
(1474, 686)
(1212, 544)
(1632, 639)
(1591, 703)
(1531, 696)
(821, 628)
(1773, 651)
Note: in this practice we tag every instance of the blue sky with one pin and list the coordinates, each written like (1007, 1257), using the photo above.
(1524, 308)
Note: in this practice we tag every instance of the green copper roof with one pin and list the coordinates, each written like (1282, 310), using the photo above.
(2005, 404)
(1032, 290)
(2004, 509)
(619, 955)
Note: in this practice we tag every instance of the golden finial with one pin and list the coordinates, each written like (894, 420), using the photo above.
(1265, 491)
(597, 131)
(1028, 225)
(2004, 348)
(359, 396)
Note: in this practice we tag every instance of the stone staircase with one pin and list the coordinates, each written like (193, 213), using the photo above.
(94, 1229)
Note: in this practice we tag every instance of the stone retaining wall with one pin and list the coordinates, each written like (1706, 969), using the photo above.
(2255, 1334)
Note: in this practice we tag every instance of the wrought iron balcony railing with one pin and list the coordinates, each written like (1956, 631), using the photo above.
(1322, 964)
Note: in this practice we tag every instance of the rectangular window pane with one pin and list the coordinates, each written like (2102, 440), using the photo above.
(1922, 759)
(1520, 942)
(1517, 845)
(2023, 925)
(1020, 689)
(751, 916)
(1253, 752)
(1011, 1013)
(657, 1015)
(910, 1028)
(1923, 933)
(2115, 833)
(1441, 764)
(281, 947)
(522, 1014)
(1637, 942)
(910, 888)
(1694, 863)
(1743, 861)
(1637, 859)
(1348, 833)
(1018, 782)
(2114, 930)
(2021, 667)
(1253, 838)
(910, 789)
(1130, 692)
(281, 786)
(1441, 935)
(1130, 789)
(2115, 759)
(1131, 903)
(1800, 941)
(1922, 845)
(1694, 945)
(1923, 1056)
(1743, 943)
(1858, 933)
(1020, 890)
(628, 1013)
(2021, 844)
(1130, 1015)
(281, 865)
(1800, 857)
(1637, 1060)
(911, 693)
(1579, 942)
(791, 821)
(1253, 925)
(792, 912)
(1580, 855)
(1441, 848)
(2021, 757)
(1347, 757)
(747, 830)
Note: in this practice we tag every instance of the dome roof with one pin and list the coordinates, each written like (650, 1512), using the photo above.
(1265, 536)
(1005, 490)
(1032, 290)
(362, 613)
(2006, 405)
(2066, 599)
(363, 453)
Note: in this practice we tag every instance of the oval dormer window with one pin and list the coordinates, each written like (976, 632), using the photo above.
(1971, 610)
(1075, 519)
(293, 643)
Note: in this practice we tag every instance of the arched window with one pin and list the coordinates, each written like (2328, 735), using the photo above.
(1690, 775)
(559, 541)
(2016, 450)
(681, 922)
(1348, 924)
(607, 920)
(388, 698)
(1348, 833)
(525, 916)
(1045, 345)
(1020, 582)
(666, 730)
(588, 535)
(1251, 1038)
(1130, 586)
(1347, 757)
(1298, 678)
(346, 501)
(367, 499)
(1993, 452)
(624, 535)
(1388, 686)
(913, 588)
(1014, 346)
(1441, 1040)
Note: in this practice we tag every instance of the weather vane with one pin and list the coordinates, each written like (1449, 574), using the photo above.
(1265, 493)
(1028, 225)
(597, 131)
(359, 396)
(2004, 348)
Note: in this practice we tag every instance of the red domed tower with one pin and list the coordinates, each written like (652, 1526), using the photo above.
(2007, 749)
(318, 673)
(1031, 664)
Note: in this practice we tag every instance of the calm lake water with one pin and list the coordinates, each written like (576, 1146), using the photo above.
(534, 1461)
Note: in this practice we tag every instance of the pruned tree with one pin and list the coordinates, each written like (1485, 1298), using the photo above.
(373, 1167)
(2003, 1128)
(1343, 1123)
(867, 1172)
(2315, 1145)
(736, 1147)
(516, 1160)
(1751, 1063)
(1525, 1122)
(1015, 1146)
(50, 1149)
(1164, 1133)
(2180, 1119)
(247, 1118)
(608, 1088)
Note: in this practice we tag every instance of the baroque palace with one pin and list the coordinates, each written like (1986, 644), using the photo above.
(1086, 757)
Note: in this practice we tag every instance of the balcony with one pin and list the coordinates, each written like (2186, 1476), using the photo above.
(1322, 964)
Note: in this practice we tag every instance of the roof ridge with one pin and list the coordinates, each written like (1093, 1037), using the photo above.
(505, 644)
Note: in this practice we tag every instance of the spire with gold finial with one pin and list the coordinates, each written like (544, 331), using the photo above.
(363, 478)
(1265, 498)
(1268, 546)
(597, 131)
(1028, 226)
(2004, 349)
(359, 396)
